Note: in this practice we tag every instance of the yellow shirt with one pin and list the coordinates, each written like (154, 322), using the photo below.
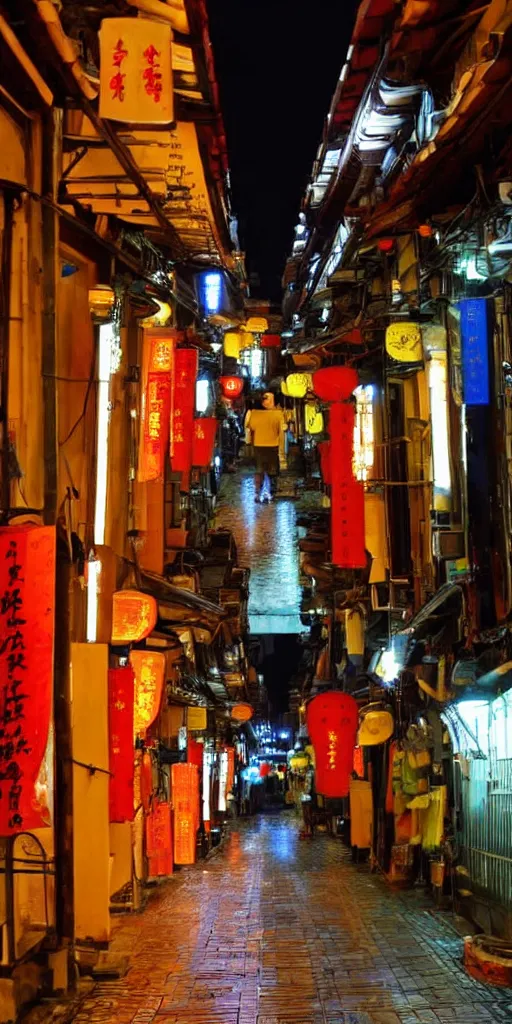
(267, 427)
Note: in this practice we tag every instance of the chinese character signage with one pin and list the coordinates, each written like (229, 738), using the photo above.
(149, 669)
(403, 342)
(332, 720)
(205, 432)
(121, 752)
(156, 410)
(27, 604)
(347, 493)
(183, 404)
(136, 71)
(475, 351)
(159, 840)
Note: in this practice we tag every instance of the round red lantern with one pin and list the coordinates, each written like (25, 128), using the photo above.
(332, 720)
(231, 387)
(386, 244)
(335, 383)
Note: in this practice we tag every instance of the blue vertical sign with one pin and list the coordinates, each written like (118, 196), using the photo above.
(475, 351)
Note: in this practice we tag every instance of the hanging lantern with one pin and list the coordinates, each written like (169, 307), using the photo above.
(335, 383)
(386, 244)
(284, 389)
(256, 325)
(121, 752)
(314, 419)
(205, 432)
(101, 303)
(242, 712)
(233, 344)
(231, 387)
(425, 231)
(299, 384)
(403, 342)
(149, 669)
(271, 341)
(134, 616)
(332, 720)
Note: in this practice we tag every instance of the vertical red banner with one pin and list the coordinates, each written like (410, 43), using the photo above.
(159, 840)
(183, 405)
(332, 720)
(27, 613)
(205, 431)
(121, 684)
(157, 404)
(347, 493)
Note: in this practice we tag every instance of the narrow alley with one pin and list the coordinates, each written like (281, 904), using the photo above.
(274, 930)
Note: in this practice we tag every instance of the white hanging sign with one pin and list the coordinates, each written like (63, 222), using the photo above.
(136, 71)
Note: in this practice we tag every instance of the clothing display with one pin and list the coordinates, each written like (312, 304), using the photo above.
(361, 814)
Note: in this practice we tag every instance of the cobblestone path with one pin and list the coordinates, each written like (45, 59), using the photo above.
(275, 930)
(266, 539)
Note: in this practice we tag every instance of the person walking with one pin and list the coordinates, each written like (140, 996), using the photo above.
(266, 427)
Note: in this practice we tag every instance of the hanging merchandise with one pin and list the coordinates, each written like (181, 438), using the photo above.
(136, 71)
(159, 840)
(335, 383)
(233, 344)
(361, 814)
(203, 444)
(298, 384)
(182, 416)
(324, 451)
(149, 669)
(376, 725)
(134, 616)
(27, 561)
(354, 631)
(120, 728)
(185, 802)
(313, 419)
(347, 493)
(332, 725)
(156, 410)
(359, 762)
(231, 387)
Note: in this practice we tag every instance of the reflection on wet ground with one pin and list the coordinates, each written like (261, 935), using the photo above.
(275, 930)
(266, 538)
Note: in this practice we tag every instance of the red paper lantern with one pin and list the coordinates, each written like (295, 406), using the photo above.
(205, 431)
(386, 244)
(271, 341)
(335, 383)
(231, 387)
(121, 690)
(347, 493)
(324, 450)
(332, 720)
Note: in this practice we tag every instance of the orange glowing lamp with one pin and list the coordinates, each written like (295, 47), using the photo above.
(231, 387)
(134, 616)
(149, 669)
(242, 712)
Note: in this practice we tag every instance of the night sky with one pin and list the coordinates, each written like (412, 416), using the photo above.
(277, 64)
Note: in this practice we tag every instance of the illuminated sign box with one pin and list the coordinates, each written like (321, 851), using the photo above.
(475, 351)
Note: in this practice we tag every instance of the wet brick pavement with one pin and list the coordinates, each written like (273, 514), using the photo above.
(275, 930)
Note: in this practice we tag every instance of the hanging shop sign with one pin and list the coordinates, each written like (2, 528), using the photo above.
(298, 384)
(134, 616)
(156, 410)
(335, 383)
(203, 444)
(313, 419)
(242, 712)
(196, 719)
(324, 451)
(332, 720)
(27, 610)
(183, 404)
(149, 670)
(136, 71)
(231, 769)
(403, 342)
(223, 779)
(347, 493)
(271, 341)
(159, 840)
(376, 725)
(121, 685)
(195, 751)
(185, 802)
(474, 334)
(256, 325)
(231, 387)
(233, 344)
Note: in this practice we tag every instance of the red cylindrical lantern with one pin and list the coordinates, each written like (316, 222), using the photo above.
(205, 430)
(324, 451)
(347, 493)
(231, 387)
(332, 720)
(335, 383)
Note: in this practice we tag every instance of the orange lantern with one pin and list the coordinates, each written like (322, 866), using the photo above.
(425, 230)
(149, 669)
(335, 383)
(242, 712)
(134, 616)
(231, 387)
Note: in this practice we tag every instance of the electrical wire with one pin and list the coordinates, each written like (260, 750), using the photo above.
(83, 413)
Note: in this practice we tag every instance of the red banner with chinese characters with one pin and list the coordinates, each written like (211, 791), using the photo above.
(185, 802)
(27, 610)
(182, 416)
(332, 720)
(159, 840)
(156, 411)
(347, 493)
(205, 432)
(121, 761)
